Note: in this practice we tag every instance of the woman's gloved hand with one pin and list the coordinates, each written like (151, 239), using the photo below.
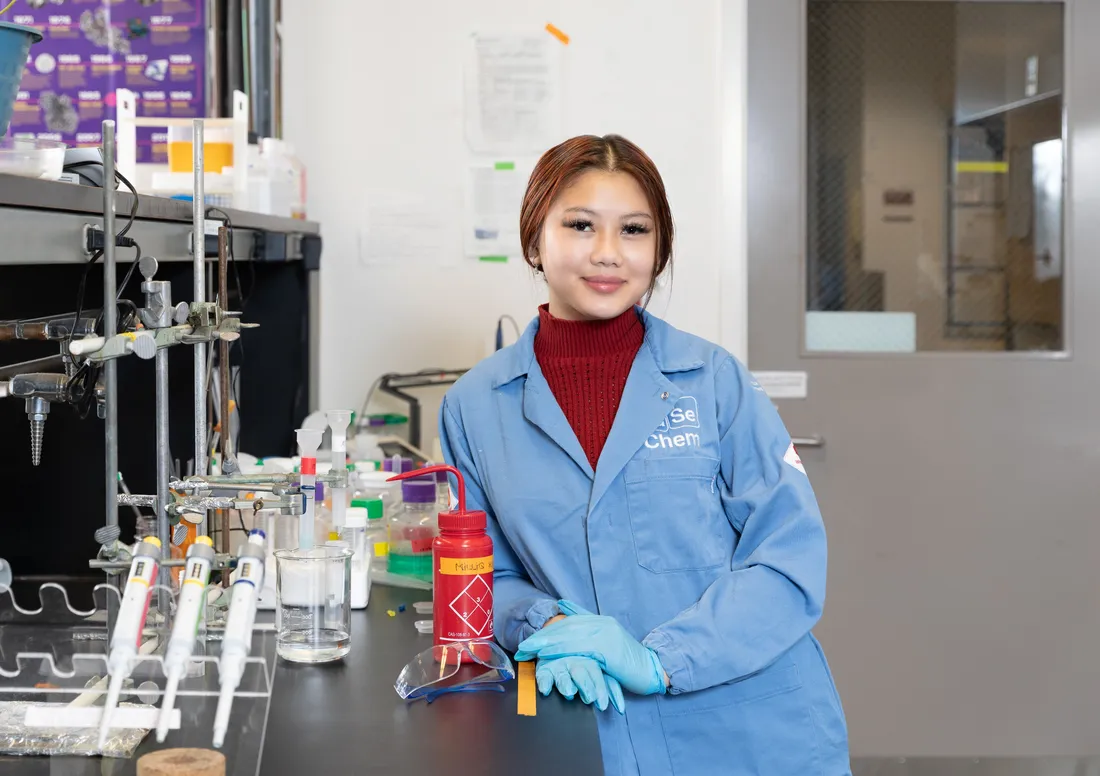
(580, 674)
(603, 639)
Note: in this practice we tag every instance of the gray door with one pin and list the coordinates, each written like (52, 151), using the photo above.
(924, 218)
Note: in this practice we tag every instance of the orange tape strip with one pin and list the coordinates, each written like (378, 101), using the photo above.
(526, 705)
(558, 34)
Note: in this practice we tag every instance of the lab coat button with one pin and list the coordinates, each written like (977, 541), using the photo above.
(664, 395)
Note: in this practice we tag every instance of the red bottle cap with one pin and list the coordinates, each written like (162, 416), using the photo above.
(460, 519)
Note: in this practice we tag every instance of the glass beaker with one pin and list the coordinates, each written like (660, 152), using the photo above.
(313, 604)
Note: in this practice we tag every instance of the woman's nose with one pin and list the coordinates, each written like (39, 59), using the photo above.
(606, 250)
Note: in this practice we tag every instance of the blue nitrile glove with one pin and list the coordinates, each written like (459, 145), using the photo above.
(601, 638)
(583, 675)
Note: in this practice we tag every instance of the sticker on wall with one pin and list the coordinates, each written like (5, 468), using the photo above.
(792, 458)
(783, 385)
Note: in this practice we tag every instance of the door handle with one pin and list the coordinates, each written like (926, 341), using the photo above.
(811, 441)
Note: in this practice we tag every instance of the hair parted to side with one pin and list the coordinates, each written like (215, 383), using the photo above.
(610, 153)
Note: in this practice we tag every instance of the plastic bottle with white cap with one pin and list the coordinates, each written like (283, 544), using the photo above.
(354, 534)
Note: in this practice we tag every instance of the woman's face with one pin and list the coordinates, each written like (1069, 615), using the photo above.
(598, 247)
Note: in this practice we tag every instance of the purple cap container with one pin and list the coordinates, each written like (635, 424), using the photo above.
(320, 492)
(418, 491)
(406, 465)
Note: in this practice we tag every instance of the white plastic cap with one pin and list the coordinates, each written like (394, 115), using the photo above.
(378, 479)
(355, 517)
(308, 441)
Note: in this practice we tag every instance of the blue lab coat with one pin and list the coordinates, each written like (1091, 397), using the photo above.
(698, 531)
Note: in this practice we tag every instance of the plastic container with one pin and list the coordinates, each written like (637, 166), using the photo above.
(31, 158)
(282, 534)
(313, 614)
(463, 572)
(283, 174)
(442, 491)
(354, 533)
(412, 530)
(377, 541)
(322, 517)
(372, 485)
(217, 149)
(15, 46)
(398, 465)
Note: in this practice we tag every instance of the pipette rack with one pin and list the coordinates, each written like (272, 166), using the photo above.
(56, 654)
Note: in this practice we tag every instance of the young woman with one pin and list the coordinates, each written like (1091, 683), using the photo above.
(653, 527)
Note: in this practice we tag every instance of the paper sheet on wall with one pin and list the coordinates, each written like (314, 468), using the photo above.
(494, 195)
(404, 230)
(513, 93)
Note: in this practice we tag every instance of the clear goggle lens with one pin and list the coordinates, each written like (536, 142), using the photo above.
(453, 668)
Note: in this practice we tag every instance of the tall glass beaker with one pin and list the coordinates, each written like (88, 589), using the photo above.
(313, 604)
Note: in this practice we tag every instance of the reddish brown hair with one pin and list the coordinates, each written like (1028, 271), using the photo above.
(610, 153)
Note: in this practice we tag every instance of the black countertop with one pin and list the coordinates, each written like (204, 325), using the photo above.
(346, 718)
(349, 714)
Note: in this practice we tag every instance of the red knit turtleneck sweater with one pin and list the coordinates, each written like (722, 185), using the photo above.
(586, 364)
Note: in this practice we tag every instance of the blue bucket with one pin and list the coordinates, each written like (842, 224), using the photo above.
(15, 44)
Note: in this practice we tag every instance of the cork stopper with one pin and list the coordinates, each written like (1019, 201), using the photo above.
(182, 762)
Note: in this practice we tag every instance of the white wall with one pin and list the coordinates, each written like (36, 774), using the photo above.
(373, 103)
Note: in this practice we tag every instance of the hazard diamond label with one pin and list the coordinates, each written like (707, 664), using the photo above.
(474, 605)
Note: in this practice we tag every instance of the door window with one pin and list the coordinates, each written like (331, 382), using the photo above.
(935, 176)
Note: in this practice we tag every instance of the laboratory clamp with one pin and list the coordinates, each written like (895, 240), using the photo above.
(160, 635)
(172, 643)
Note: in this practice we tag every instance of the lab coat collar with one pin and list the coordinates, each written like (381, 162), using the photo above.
(648, 396)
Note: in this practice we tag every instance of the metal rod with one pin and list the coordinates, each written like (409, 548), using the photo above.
(110, 369)
(199, 264)
(223, 379)
(164, 497)
(220, 563)
(236, 480)
(47, 363)
(137, 500)
(110, 312)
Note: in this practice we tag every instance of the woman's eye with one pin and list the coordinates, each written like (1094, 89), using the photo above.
(579, 225)
(635, 229)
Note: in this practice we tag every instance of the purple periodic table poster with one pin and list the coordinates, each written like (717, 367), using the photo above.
(89, 48)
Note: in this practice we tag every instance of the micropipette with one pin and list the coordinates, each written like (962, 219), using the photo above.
(237, 642)
(338, 422)
(131, 620)
(308, 442)
(200, 558)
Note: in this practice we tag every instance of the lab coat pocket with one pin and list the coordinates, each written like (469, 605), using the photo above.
(676, 514)
(762, 724)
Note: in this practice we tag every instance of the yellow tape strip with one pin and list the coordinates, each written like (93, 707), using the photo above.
(527, 695)
(995, 168)
(466, 566)
(198, 582)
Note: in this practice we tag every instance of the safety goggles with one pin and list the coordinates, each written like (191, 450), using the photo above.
(464, 666)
